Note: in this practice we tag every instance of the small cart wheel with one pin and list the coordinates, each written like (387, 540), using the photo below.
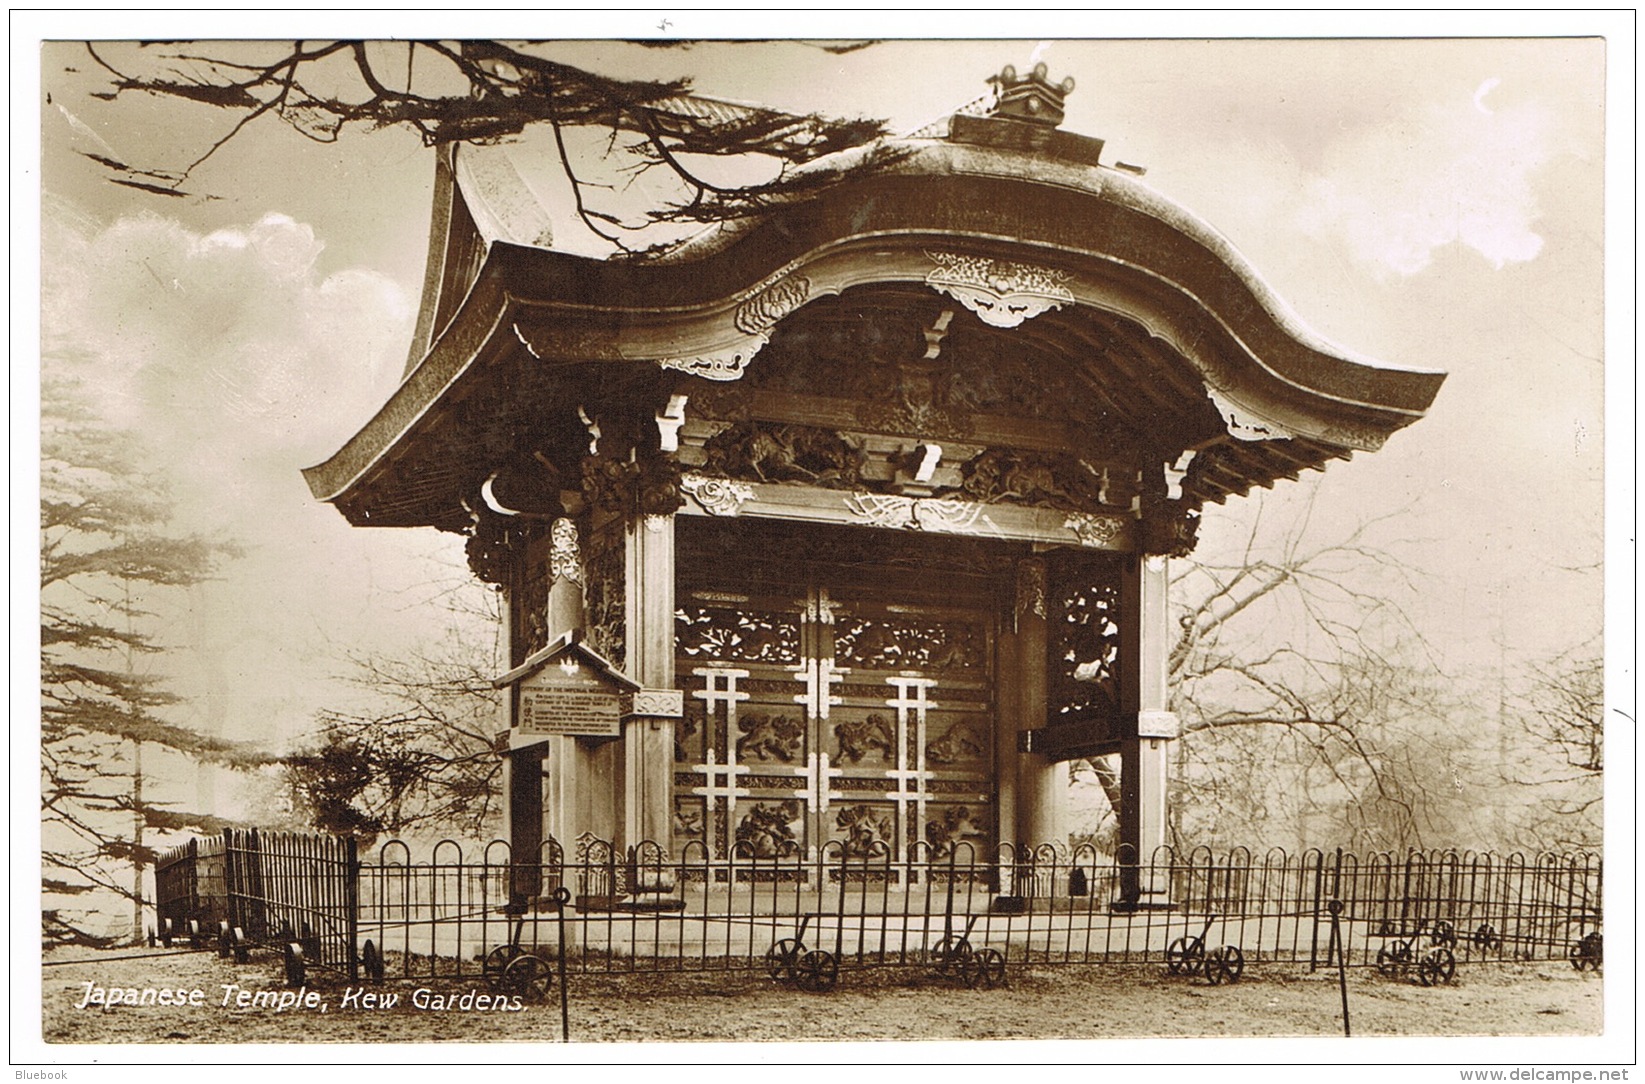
(529, 978)
(371, 961)
(780, 959)
(167, 932)
(225, 940)
(242, 949)
(496, 962)
(1587, 954)
(817, 971)
(951, 952)
(1444, 934)
(1486, 939)
(1185, 956)
(296, 969)
(1393, 958)
(1225, 964)
(196, 937)
(1438, 967)
(990, 965)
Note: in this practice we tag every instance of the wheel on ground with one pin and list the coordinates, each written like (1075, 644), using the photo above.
(1444, 934)
(242, 948)
(529, 978)
(990, 965)
(1587, 954)
(296, 967)
(781, 957)
(225, 941)
(951, 952)
(196, 938)
(1393, 957)
(497, 960)
(371, 961)
(1486, 939)
(167, 932)
(1185, 956)
(1438, 967)
(1225, 964)
(817, 971)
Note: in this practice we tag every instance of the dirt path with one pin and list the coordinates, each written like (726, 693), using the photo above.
(1083, 1002)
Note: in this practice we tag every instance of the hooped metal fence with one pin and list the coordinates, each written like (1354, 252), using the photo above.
(468, 912)
(245, 887)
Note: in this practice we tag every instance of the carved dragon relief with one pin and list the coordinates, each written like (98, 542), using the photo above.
(765, 452)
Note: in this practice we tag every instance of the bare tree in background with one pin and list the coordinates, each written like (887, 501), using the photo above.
(420, 753)
(488, 92)
(1560, 719)
(1311, 707)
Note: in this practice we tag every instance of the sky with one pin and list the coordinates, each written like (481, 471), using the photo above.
(1425, 202)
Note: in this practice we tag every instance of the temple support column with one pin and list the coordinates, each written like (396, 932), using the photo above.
(567, 777)
(1040, 790)
(648, 741)
(1008, 723)
(523, 774)
(1147, 728)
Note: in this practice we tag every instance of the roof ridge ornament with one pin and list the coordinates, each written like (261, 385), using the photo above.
(1032, 98)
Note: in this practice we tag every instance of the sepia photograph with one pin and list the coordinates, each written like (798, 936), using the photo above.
(703, 537)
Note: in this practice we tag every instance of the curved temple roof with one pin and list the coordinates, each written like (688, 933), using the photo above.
(1012, 221)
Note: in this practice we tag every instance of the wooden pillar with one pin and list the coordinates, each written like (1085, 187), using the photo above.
(1041, 792)
(648, 742)
(1008, 722)
(523, 771)
(1146, 726)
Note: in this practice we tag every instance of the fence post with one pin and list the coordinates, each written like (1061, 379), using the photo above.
(1313, 937)
(229, 866)
(351, 905)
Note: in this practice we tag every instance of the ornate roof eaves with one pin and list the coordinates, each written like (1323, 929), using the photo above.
(708, 306)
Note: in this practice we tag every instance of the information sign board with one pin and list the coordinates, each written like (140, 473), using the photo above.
(566, 697)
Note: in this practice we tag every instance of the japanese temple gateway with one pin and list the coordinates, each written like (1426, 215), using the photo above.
(851, 521)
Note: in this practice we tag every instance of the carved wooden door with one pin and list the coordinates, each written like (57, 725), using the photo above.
(851, 707)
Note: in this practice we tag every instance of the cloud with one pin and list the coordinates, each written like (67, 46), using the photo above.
(239, 362)
(1450, 173)
(229, 351)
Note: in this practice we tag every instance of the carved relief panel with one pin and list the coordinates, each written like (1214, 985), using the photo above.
(858, 717)
(1083, 615)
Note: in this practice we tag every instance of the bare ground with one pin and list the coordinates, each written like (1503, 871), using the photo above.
(1075, 1002)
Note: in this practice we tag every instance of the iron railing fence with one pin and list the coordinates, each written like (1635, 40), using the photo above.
(243, 888)
(470, 912)
(460, 912)
(298, 892)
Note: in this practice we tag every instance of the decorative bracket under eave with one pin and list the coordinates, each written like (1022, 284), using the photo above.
(1003, 293)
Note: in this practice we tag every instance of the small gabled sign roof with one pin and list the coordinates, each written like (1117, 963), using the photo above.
(570, 643)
